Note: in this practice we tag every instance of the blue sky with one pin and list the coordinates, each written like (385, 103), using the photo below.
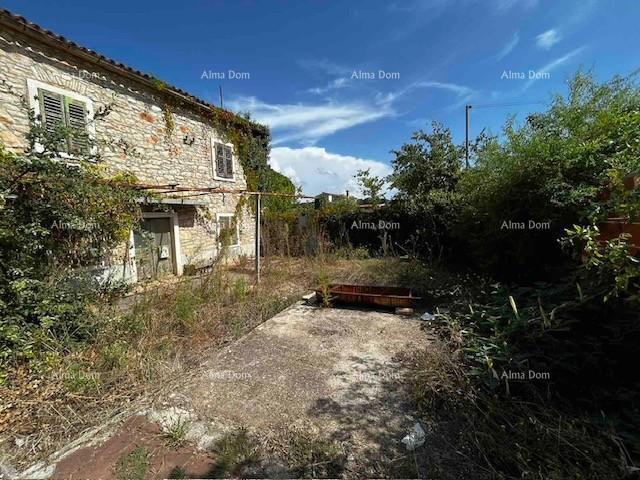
(303, 66)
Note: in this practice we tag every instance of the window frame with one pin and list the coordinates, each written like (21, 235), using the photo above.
(34, 104)
(231, 217)
(214, 161)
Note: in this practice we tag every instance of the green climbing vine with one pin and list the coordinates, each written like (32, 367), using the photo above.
(251, 142)
(169, 122)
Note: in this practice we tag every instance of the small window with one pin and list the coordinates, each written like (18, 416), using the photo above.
(223, 161)
(228, 231)
(57, 111)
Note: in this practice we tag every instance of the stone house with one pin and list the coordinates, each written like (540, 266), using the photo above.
(125, 112)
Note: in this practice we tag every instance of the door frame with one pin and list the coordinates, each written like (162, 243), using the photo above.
(175, 237)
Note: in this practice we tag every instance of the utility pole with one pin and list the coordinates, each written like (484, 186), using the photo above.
(467, 109)
(257, 238)
(221, 99)
(467, 113)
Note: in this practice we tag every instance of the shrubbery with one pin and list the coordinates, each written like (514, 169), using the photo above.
(573, 315)
(552, 169)
(57, 219)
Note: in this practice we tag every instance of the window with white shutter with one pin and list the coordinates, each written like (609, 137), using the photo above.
(61, 110)
(223, 161)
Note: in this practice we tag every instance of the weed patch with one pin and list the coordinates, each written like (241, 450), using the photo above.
(236, 450)
(177, 433)
(133, 465)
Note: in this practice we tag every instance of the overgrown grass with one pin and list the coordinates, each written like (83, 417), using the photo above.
(177, 433)
(529, 430)
(311, 457)
(141, 342)
(518, 375)
(235, 451)
(133, 465)
(286, 454)
(508, 437)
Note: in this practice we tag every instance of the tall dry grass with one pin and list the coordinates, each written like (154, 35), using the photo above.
(141, 342)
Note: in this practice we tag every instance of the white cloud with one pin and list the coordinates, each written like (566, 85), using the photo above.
(509, 46)
(463, 93)
(308, 123)
(316, 170)
(334, 84)
(459, 90)
(549, 67)
(548, 39)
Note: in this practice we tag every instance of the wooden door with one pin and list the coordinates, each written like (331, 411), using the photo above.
(154, 248)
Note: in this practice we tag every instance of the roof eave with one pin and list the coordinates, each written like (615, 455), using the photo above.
(21, 25)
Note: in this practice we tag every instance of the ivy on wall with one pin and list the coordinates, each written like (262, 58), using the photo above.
(252, 143)
(57, 220)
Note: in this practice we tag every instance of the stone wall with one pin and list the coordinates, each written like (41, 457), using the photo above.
(140, 134)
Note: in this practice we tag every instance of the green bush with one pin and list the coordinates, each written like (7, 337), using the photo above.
(426, 173)
(552, 170)
(57, 220)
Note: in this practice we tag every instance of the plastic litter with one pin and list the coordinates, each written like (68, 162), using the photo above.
(415, 438)
(427, 317)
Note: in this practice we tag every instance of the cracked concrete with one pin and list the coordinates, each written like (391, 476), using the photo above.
(333, 371)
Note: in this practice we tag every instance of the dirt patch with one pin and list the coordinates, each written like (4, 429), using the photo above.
(109, 460)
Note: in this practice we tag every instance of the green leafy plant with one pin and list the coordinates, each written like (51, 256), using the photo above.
(177, 433)
(612, 263)
(58, 221)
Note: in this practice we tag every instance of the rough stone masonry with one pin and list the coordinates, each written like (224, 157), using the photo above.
(135, 136)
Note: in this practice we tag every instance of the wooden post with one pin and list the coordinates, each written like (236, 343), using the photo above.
(257, 238)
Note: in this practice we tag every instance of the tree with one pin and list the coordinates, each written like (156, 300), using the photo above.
(425, 174)
(372, 186)
(431, 162)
